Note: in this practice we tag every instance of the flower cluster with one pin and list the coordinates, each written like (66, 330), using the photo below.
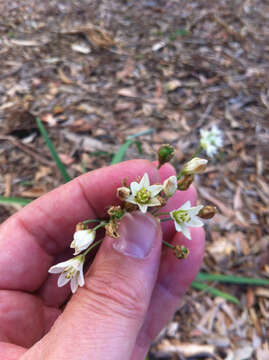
(211, 140)
(143, 196)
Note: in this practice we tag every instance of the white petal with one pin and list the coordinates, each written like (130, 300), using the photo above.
(195, 222)
(131, 199)
(82, 240)
(62, 280)
(81, 281)
(170, 186)
(185, 206)
(55, 269)
(74, 284)
(195, 210)
(186, 231)
(178, 227)
(155, 189)
(135, 187)
(145, 181)
(154, 202)
(143, 208)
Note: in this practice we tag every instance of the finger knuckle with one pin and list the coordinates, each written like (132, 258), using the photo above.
(115, 293)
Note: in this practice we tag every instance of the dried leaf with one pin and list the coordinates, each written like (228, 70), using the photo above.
(172, 85)
(81, 48)
(128, 92)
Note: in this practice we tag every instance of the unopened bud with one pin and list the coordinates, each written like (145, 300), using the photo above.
(170, 186)
(181, 252)
(207, 212)
(185, 182)
(194, 166)
(80, 226)
(123, 193)
(115, 212)
(165, 154)
(112, 229)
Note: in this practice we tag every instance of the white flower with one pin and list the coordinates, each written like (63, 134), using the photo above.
(185, 217)
(211, 140)
(170, 186)
(194, 166)
(143, 194)
(70, 270)
(82, 239)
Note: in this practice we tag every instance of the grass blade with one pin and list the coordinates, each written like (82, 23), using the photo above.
(14, 200)
(200, 286)
(120, 154)
(53, 151)
(231, 279)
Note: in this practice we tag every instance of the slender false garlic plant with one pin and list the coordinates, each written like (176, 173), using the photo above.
(143, 196)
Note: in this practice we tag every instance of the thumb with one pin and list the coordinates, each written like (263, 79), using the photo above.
(103, 318)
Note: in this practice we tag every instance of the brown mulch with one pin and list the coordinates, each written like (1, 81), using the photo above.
(97, 71)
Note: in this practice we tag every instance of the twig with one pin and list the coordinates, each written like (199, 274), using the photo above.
(27, 149)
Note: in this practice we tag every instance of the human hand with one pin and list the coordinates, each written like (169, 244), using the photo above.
(130, 291)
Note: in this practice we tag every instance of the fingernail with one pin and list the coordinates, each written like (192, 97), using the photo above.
(137, 235)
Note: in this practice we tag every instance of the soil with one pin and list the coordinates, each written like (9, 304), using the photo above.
(96, 72)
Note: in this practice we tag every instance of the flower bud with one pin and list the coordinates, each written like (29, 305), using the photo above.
(123, 193)
(170, 186)
(185, 182)
(181, 252)
(80, 226)
(82, 240)
(112, 229)
(165, 154)
(207, 212)
(194, 166)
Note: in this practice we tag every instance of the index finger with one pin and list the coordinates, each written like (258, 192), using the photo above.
(30, 239)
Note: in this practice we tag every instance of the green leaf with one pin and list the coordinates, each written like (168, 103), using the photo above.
(179, 32)
(200, 286)
(231, 279)
(53, 151)
(120, 154)
(14, 200)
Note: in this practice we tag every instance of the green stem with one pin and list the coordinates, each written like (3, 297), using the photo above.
(159, 166)
(197, 152)
(162, 213)
(168, 245)
(92, 246)
(99, 226)
(165, 219)
(90, 221)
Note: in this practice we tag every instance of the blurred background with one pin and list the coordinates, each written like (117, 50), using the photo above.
(96, 72)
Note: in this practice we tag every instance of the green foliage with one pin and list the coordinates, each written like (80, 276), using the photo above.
(177, 33)
(120, 154)
(232, 279)
(53, 151)
(200, 286)
(14, 200)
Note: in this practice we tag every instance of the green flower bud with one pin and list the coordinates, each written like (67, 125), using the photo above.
(165, 154)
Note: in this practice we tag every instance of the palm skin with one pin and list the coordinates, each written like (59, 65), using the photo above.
(40, 235)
